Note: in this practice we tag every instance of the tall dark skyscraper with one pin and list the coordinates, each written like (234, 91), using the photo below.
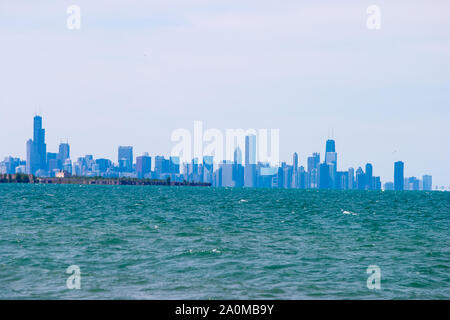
(36, 148)
(398, 175)
(331, 161)
(125, 157)
(39, 140)
(330, 146)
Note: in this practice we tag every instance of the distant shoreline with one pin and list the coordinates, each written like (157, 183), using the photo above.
(31, 179)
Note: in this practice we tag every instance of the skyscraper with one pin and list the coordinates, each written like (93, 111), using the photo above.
(162, 166)
(227, 173)
(125, 158)
(331, 161)
(376, 183)
(330, 146)
(351, 178)
(39, 141)
(238, 156)
(313, 170)
(398, 175)
(250, 149)
(250, 161)
(174, 164)
(360, 179)
(369, 175)
(31, 165)
(238, 169)
(295, 177)
(324, 176)
(208, 168)
(36, 148)
(64, 152)
(143, 165)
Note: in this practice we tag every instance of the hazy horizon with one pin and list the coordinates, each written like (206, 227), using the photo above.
(135, 72)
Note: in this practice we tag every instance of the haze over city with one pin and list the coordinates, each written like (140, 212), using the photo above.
(131, 75)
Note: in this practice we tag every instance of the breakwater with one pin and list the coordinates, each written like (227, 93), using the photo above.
(26, 178)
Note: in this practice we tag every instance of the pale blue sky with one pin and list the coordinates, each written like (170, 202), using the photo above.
(137, 71)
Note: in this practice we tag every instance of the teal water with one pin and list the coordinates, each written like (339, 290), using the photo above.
(147, 242)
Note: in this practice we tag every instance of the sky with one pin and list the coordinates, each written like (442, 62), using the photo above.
(136, 71)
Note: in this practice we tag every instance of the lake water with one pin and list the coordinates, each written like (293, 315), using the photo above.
(133, 242)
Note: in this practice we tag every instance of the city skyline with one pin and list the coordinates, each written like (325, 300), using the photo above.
(239, 172)
(134, 74)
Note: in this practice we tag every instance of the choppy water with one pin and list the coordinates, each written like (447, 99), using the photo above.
(203, 243)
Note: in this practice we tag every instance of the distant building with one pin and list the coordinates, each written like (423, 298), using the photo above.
(37, 149)
(295, 174)
(313, 171)
(39, 142)
(103, 165)
(330, 146)
(62, 174)
(64, 152)
(9, 165)
(411, 184)
(331, 161)
(389, 186)
(369, 176)
(427, 182)
(208, 169)
(250, 149)
(301, 178)
(376, 183)
(398, 176)
(143, 165)
(174, 165)
(238, 169)
(250, 161)
(227, 173)
(324, 176)
(125, 158)
(351, 178)
(287, 176)
(360, 179)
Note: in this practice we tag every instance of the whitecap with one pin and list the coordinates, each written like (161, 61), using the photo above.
(349, 212)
